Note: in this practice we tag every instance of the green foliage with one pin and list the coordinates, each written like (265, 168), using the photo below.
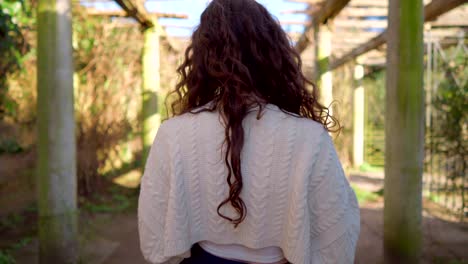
(366, 167)
(14, 15)
(443, 260)
(449, 131)
(364, 196)
(374, 84)
(21, 243)
(102, 204)
(5, 255)
(6, 258)
(10, 146)
(11, 221)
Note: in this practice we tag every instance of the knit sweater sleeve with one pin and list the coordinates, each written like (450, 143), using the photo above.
(153, 202)
(334, 211)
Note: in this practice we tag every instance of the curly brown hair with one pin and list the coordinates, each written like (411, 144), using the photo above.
(239, 58)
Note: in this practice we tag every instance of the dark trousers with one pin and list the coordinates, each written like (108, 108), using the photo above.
(200, 256)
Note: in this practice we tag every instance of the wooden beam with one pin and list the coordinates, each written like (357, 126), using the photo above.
(139, 13)
(122, 13)
(350, 33)
(370, 45)
(431, 11)
(352, 41)
(302, 23)
(307, 1)
(329, 10)
(360, 23)
(347, 12)
(295, 11)
(439, 7)
(369, 3)
(455, 18)
(364, 11)
(177, 26)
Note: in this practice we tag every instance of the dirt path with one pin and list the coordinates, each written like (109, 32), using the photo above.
(113, 239)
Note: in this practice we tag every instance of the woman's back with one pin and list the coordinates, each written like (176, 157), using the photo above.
(294, 189)
(222, 172)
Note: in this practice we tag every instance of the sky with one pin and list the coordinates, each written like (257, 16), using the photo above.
(194, 8)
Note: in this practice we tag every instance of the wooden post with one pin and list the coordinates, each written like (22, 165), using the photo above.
(151, 87)
(56, 174)
(358, 117)
(314, 34)
(404, 132)
(324, 53)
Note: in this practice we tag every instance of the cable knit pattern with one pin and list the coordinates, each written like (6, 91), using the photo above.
(295, 190)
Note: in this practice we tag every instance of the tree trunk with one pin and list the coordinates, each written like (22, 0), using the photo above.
(151, 87)
(56, 175)
(404, 130)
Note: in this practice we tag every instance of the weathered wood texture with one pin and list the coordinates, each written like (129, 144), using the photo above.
(137, 11)
(431, 11)
(151, 88)
(122, 13)
(326, 76)
(56, 165)
(358, 117)
(307, 1)
(328, 10)
(404, 132)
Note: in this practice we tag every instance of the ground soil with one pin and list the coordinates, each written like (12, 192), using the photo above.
(112, 238)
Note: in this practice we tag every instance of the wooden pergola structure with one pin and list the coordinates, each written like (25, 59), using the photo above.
(348, 19)
(387, 33)
(56, 179)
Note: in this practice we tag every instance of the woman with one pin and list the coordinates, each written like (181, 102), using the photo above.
(245, 171)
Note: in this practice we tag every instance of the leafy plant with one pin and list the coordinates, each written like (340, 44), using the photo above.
(364, 196)
(14, 14)
(10, 146)
(116, 203)
(11, 221)
(449, 132)
(6, 258)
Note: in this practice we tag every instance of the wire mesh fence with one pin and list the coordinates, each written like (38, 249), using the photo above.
(446, 120)
(446, 137)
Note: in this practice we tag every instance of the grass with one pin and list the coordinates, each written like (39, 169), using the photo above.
(114, 199)
(366, 167)
(116, 203)
(5, 254)
(364, 196)
(6, 258)
(441, 260)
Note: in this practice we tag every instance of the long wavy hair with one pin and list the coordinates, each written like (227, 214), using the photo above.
(239, 58)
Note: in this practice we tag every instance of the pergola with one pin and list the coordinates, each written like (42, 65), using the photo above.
(342, 31)
(385, 33)
(56, 180)
(338, 31)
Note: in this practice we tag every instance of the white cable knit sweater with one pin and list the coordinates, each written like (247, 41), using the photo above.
(296, 193)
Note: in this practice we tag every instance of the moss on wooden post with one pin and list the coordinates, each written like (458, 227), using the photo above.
(56, 172)
(404, 130)
(358, 117)
(324, 53)
(151, 87)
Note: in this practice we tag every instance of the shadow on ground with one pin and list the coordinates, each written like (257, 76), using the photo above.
(112, 238)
